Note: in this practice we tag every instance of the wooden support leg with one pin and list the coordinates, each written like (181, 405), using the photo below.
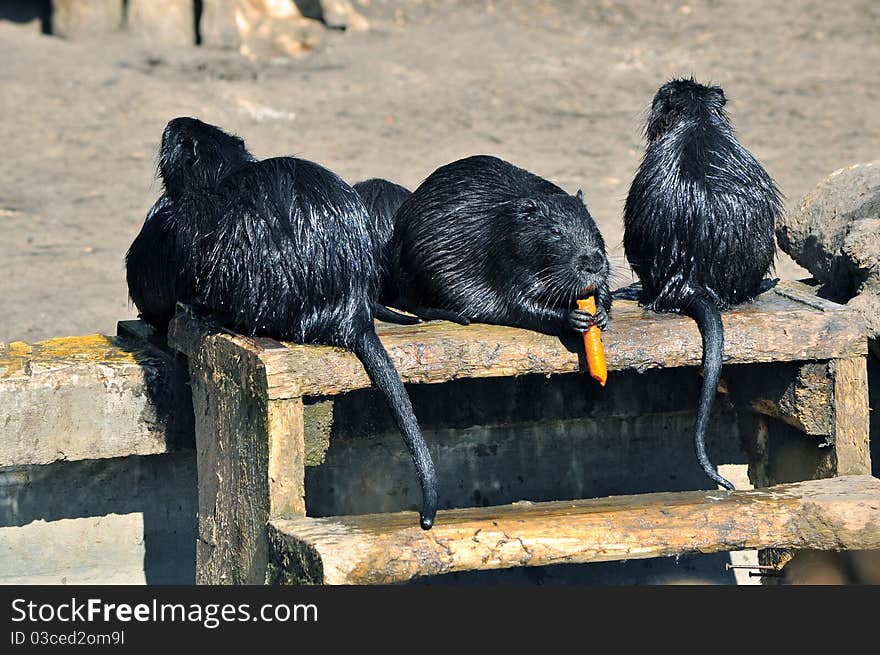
(780, 453)
(821, 421)
(852, 454)
(250, 454)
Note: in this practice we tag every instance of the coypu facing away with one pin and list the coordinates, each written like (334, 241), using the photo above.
(699, 224)
(280, 248)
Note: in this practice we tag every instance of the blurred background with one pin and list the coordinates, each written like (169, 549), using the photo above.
(390, 88)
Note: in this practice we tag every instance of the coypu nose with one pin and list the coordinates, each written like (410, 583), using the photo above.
(592, 263)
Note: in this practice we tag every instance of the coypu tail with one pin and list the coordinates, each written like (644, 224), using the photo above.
(383, 313)
(704, 311)
(381, 370)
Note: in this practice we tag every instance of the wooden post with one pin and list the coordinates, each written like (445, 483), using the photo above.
(852, 454)
(250, 457)
(162, 22)
(827, 400)
(781, 454)
(217, 26)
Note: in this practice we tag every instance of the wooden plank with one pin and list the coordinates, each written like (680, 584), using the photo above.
(785, 324)
(89, 397)
(831, 514)
(249, 453)
(852, 452)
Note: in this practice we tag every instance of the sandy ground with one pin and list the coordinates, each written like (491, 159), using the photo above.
(559, 88)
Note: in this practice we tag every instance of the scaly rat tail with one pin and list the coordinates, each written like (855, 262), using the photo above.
(704, 311)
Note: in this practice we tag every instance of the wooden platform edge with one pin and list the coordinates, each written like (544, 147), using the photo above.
(831, 514)
(785, 324)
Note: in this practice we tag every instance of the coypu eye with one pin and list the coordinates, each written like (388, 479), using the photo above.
(528, 205)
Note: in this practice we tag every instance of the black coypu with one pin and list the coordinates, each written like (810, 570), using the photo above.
(382, 198)
(482, 240)
(280, 248)
(699, 224)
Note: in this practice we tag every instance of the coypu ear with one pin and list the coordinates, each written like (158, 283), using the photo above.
(580, 196)
(527, 205)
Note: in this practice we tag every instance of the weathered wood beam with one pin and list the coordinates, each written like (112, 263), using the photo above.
(782, 325)
(90, 397)
(250, 460)
(798, 394)
(851, 420)
(831, 514)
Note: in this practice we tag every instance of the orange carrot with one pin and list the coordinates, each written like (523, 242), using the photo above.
(593, 344)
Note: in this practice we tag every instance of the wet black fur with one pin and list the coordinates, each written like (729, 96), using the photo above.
(190, 156)
(699, 223)
(482, 240)
(281, 248)
(151, 266)
(382, 200)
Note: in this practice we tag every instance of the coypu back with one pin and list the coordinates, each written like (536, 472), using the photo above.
(494, 243)
(701, 210)
(290, 256)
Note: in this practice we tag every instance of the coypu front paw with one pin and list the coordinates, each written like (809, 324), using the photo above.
(581, 320)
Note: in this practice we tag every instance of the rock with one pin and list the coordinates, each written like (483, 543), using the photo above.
(217, 26)
(163, 22)
(84, 19)
(272, 28)
(337, 14)
(835, 234)
(268, 28)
